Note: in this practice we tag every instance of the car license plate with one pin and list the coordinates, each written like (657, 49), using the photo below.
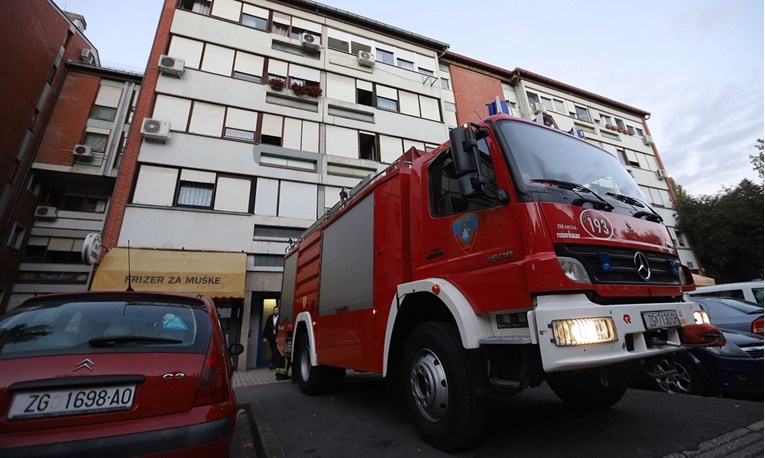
(71, 402)
(661, 319)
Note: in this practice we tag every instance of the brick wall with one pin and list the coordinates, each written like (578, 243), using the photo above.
(472, 91)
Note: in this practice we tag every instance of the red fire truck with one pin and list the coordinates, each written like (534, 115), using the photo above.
(511, 255)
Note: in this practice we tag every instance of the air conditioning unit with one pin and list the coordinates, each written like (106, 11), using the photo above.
(83, 151)
(648, 140)
(538, 108)
(155, 131)
(661, 174)
(366, 59)
(46, 212)
(86, 55)
(171, 66)
(311, 41)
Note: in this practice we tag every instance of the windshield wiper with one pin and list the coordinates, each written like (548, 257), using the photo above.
(600, 204)
(626, 199)
(650, 216)
(112, 341)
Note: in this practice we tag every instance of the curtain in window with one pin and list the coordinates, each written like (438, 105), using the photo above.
(195, 194)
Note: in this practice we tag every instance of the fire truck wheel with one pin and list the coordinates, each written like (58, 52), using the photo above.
(312, 379)
(440, 389)
(596, 388)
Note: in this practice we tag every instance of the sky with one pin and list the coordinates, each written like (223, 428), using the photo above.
(695, 65)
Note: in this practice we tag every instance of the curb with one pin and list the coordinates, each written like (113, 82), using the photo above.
(266, 443)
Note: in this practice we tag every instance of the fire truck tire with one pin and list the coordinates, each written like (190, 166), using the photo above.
(311, 379)
(440, 389)
(598, 388)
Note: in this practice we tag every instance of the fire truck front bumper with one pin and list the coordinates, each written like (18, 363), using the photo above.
(574, 333)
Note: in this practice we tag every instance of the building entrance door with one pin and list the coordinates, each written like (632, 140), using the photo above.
(258, 352)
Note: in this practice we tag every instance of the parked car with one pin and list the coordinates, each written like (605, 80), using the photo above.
(731, 313)
(751, 291)
(115, 374)
(735, 368)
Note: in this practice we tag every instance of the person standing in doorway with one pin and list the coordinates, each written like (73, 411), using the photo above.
(269, 335)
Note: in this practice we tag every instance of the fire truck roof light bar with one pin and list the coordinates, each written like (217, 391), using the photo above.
(583, 331)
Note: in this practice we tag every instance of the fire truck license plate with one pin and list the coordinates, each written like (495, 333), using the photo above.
(661, 319)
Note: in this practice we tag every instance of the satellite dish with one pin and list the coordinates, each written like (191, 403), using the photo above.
(91, 249)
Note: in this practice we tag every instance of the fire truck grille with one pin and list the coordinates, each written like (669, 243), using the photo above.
(610, 265)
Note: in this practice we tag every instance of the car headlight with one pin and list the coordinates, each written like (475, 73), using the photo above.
(574, 269)
(700, 317)
(583, 331)
(729, 349)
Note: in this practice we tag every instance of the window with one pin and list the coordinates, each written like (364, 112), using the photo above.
(679, 237)
(619, 123)
(445, 196)
(53, 250)
(192, 194)
(533, 98)
(89, 204)
(445, 84)
(255, 22)
(197, 6)
(606, 120)
(367, 147)
(337, 44)
(97, 142)
(582, 113)
(103, 113)
(387, 104)
(248, 67)
(631, 130)
(364, 96)
(17, 236)
(425, 71)
(639, 132)
(547, 103)
(384, 56)
(271, 130)
(239, 134)
(277, 232)
(356, 47)
(559, 106)
(405, 64)
(268, 260)
(629, 157)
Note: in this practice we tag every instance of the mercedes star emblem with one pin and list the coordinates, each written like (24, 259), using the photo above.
(641, 266)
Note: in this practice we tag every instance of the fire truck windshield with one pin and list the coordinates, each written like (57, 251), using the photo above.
(544, 156)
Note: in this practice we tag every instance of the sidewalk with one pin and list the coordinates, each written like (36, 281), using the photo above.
(252, 377)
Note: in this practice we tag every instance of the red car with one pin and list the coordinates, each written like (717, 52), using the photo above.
(115, 374)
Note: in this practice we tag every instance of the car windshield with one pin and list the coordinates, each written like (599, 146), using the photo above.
(545, 156)
(88, 326)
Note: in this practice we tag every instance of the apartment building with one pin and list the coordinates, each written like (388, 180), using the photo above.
(64, 125)
(618, 128)
(254, 115)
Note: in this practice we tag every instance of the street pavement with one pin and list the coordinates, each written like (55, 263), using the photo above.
(276, 420)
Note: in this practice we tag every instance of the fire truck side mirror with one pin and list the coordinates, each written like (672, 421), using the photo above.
(464, 146)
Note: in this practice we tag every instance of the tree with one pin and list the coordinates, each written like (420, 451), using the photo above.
(756, 159)
(725, 230)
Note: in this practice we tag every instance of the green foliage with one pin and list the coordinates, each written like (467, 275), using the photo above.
(756, 159)
(725, 230)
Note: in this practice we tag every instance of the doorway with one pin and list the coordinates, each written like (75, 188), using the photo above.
(258, 351)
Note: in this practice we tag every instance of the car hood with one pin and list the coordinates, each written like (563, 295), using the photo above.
(741, 338)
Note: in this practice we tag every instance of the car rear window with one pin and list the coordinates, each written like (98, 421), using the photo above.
(104, 326)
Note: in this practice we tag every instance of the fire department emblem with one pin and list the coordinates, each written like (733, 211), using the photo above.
(464, 229)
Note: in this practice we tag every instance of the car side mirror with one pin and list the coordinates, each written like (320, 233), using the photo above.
(236, 349)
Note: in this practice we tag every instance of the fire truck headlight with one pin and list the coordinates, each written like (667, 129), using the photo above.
(700, 317)
(574, 269)
(583, 331)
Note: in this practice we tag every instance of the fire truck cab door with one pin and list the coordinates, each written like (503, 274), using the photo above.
(465, 240)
